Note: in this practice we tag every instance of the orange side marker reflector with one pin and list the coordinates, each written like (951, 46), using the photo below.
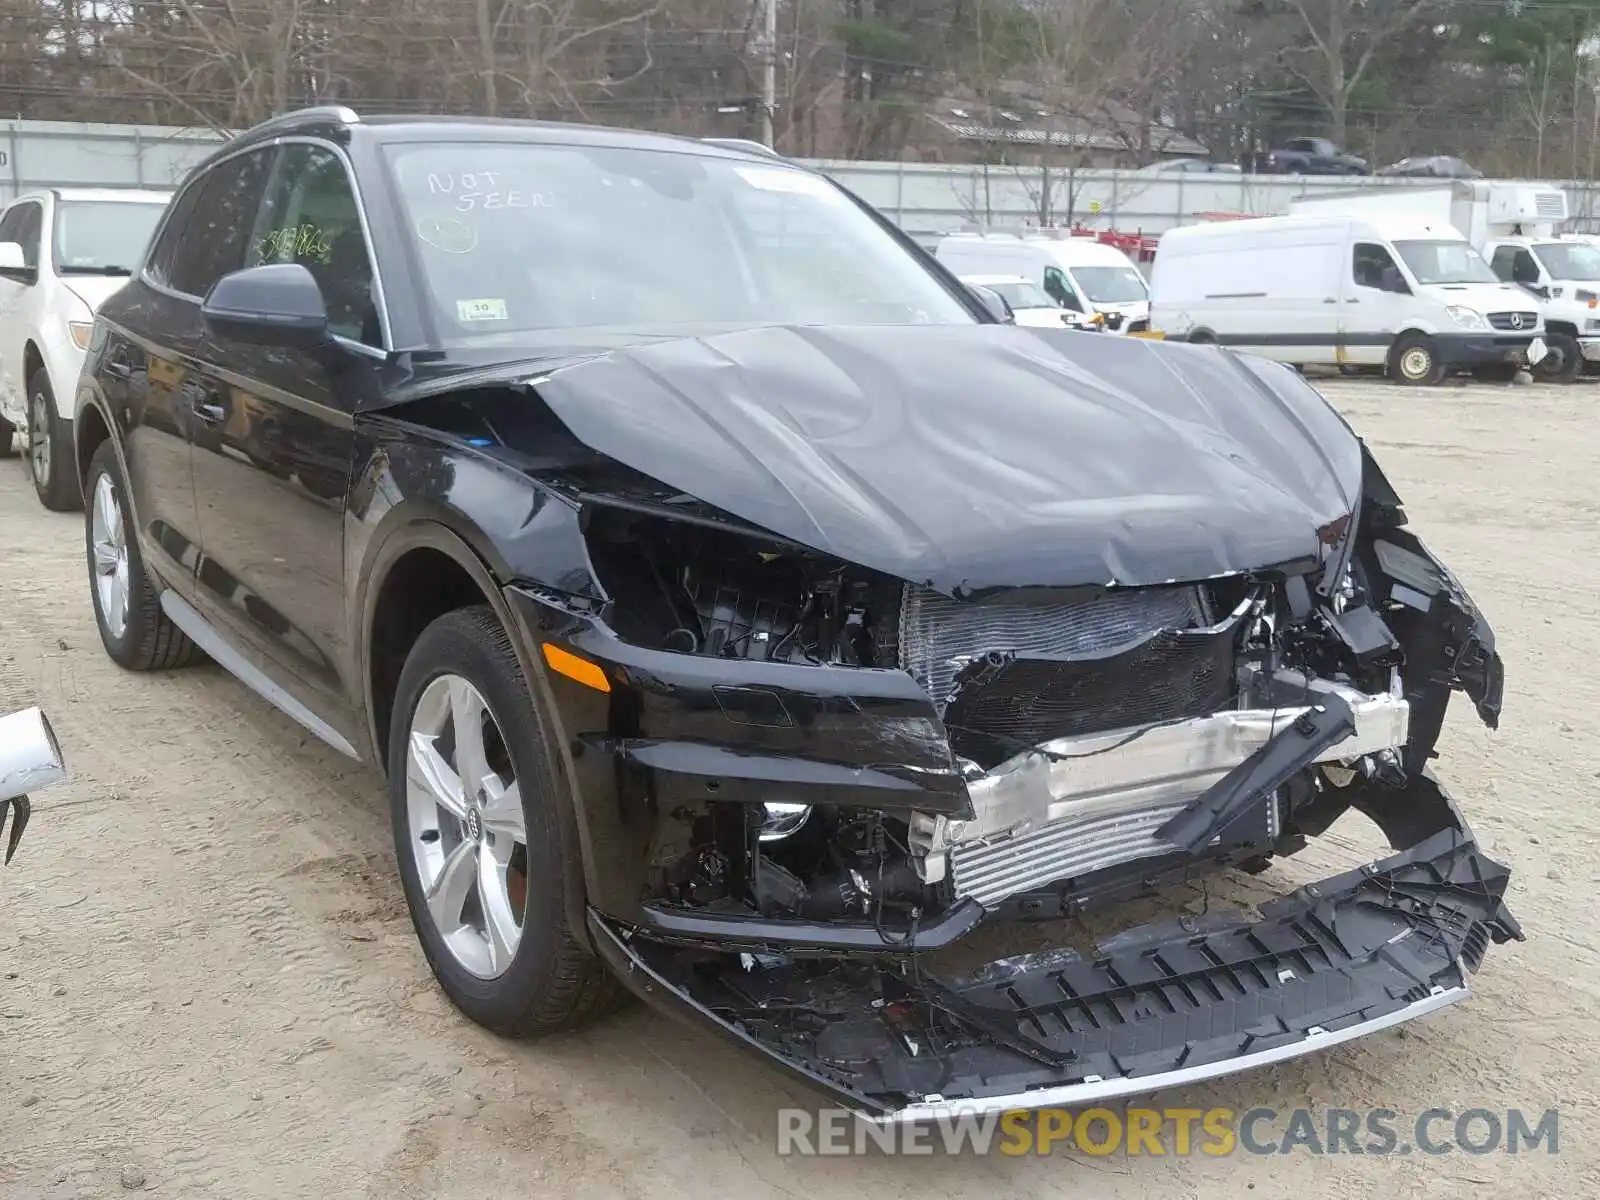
(581, 669)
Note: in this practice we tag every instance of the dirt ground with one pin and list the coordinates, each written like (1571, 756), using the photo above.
(210, 986)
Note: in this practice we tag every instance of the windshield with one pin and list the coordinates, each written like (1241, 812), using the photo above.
(103, 236)
(1111, 285)
(1022, 294)
(1569, 260)
(1445, 261)
(514, 237)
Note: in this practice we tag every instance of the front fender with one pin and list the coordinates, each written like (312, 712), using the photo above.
(394, 512)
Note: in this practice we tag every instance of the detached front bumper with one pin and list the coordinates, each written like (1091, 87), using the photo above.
(1157, 1007)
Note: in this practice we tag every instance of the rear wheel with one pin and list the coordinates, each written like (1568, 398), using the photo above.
(478, 838)
(1563, 363)
(8, 433)
(136, 633)
(1414, 361)
(50, 450)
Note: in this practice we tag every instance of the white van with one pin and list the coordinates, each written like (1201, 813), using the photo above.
(1403, 293)
(1080, 274)
(1513, 225)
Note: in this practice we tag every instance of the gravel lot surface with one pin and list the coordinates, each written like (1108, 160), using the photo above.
(211, 988)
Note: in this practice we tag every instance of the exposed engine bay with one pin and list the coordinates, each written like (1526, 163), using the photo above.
(1082, 721)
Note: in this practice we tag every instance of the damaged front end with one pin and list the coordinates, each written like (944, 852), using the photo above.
(812, 772)
(846, 774)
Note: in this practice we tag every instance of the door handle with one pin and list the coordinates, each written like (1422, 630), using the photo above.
(1331, 300)
(1352, 300)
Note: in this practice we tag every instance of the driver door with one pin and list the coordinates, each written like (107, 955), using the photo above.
(1376, 299)
(270, 484)
(1061, 291)
(1516, 264)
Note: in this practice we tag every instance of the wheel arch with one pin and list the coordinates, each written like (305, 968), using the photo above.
(422, 546)
(32, 359)
(92, 428)
(1410, 331)
(407, 547)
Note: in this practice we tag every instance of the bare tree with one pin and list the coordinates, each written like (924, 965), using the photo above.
(1345, 35)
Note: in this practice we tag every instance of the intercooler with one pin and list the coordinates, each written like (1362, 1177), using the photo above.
(1068, 849)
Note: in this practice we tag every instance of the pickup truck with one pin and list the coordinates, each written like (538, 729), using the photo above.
(1313, 156)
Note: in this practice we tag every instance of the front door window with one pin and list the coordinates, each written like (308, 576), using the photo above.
(310, 217)
(1372, 266)
(1060, 289)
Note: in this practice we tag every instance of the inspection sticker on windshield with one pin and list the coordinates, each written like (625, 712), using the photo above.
(780, 179)
(481, 310)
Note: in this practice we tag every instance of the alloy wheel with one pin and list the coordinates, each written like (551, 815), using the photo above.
(39, 438)
(467, 833)
(110, 556)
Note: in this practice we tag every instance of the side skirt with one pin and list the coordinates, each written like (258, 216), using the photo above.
(205, 635)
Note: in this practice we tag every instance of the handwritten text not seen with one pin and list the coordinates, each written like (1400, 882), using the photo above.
(480, 190)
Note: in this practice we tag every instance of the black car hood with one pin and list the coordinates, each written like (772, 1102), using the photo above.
(984, 456)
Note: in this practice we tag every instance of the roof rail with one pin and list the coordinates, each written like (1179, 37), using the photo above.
(334, 114)
(744, 144)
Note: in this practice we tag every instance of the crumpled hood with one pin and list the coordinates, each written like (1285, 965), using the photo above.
(978, 457)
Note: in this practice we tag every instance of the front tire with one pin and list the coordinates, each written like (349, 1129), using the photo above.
(1414, 362)
(478, 837)
(136, 633)
(50, 450)
(1563, 363)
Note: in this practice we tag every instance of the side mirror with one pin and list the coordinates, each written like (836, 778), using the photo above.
(14, 263)
(992, 300)
(30, 759)
(278, 304)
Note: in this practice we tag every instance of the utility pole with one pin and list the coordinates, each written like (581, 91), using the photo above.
(769, 70)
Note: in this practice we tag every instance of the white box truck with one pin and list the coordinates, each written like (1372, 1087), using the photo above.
(1513, 225)
(1400, 293)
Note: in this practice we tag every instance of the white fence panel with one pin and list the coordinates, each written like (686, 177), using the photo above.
(37, 154)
